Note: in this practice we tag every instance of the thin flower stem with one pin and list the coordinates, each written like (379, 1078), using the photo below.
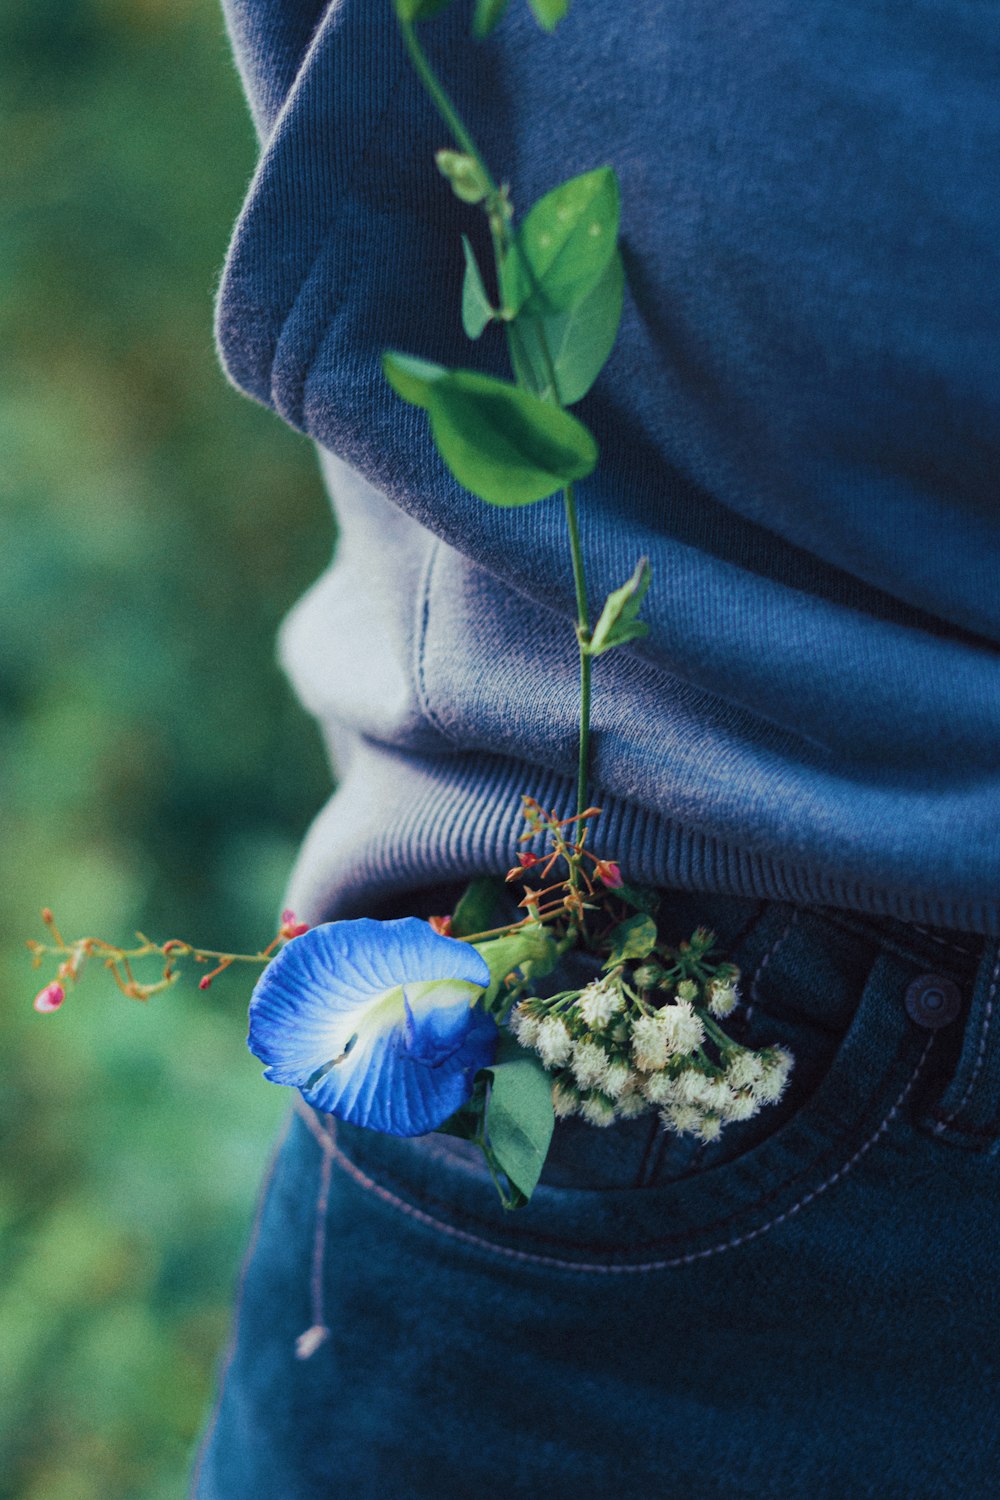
(443, 104)
(583, 640)
(498, 229)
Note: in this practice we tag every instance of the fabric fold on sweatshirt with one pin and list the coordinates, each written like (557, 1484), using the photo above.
(798, 426)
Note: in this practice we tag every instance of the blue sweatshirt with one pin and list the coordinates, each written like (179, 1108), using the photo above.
(798, 425)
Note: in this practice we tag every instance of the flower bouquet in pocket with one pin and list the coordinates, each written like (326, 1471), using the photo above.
(459, 1024)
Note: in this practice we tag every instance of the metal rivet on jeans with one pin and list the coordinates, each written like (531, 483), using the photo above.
(933, 1001)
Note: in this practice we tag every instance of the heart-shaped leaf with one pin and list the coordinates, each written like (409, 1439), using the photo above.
(504, 444)
(636, 937)
(564, 245)
(579, 340)
(410, 377)
(519, 1116)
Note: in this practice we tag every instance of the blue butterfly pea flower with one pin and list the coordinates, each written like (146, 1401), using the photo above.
(375, 1022)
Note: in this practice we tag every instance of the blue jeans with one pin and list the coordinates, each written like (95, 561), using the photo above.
(805, 1308)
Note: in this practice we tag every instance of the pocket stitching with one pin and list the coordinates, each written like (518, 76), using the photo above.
(327, 1142)
(943, 1121)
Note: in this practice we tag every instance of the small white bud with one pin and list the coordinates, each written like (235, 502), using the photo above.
(590, 1064)
(741, 1106)
(685, 1119)
(685, 1032)
(777, 1066)
(689, 1087)
(687, 990)
(709, 1128)
(524, 1024)
(650, 1043)
(633, 1104)
(660, 1088)
(722, 998)
(553, 1042)
(744, 1070)
(616, 1078)
(599, 1002)
(565, 1099)
(598, 1110)
(716, 1095)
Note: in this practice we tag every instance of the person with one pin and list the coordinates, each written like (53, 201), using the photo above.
(798, 427)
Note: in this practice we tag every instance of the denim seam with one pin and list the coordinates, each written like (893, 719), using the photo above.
(361, 1179)
(944, 1121)
(944, 942)
(744, 1208)
(754, 996)
(230, 1353)
(889, 944)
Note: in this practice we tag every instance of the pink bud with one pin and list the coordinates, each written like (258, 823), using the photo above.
(440, 925)
(205, 981)
(49, 999)
(609, 874)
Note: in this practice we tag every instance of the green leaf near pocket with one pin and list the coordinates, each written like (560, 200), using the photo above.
(636, 937)
(504, 444)
(579, 340)
(519, 1115)
(548, 13)
(640, 897)
(477, 310)
(564, 245)
(474, 912)
(488, 13)
(617, 622)
(533, 945)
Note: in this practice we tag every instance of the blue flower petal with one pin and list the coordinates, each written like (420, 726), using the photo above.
(375, 1022)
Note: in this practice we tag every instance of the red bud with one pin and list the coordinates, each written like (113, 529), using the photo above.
(49, 999)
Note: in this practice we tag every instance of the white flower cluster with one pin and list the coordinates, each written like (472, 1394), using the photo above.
(614, 1056)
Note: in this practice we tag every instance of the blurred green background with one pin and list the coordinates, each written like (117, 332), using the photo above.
(154, 771)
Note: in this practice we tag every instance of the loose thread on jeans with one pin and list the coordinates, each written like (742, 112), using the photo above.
(307, 1343)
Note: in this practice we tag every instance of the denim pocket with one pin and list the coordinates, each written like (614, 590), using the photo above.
(851, 1090)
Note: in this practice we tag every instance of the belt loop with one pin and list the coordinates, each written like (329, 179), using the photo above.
(968, 1113)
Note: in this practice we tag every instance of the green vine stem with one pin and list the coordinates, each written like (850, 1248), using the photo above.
(495, 203)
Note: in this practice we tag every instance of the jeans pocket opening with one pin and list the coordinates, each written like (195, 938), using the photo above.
(864, 1093)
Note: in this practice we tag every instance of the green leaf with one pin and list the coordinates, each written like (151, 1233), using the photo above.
(636, 937)
(617, 622)
(519, 1116)
(477, 310)
(564, 245)
(548, 13)
(531, 944)
(488, 13)
(419, 10)
(474, 912)
(579, 340)
(410, 377)
(639, 897)
(502, 443)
